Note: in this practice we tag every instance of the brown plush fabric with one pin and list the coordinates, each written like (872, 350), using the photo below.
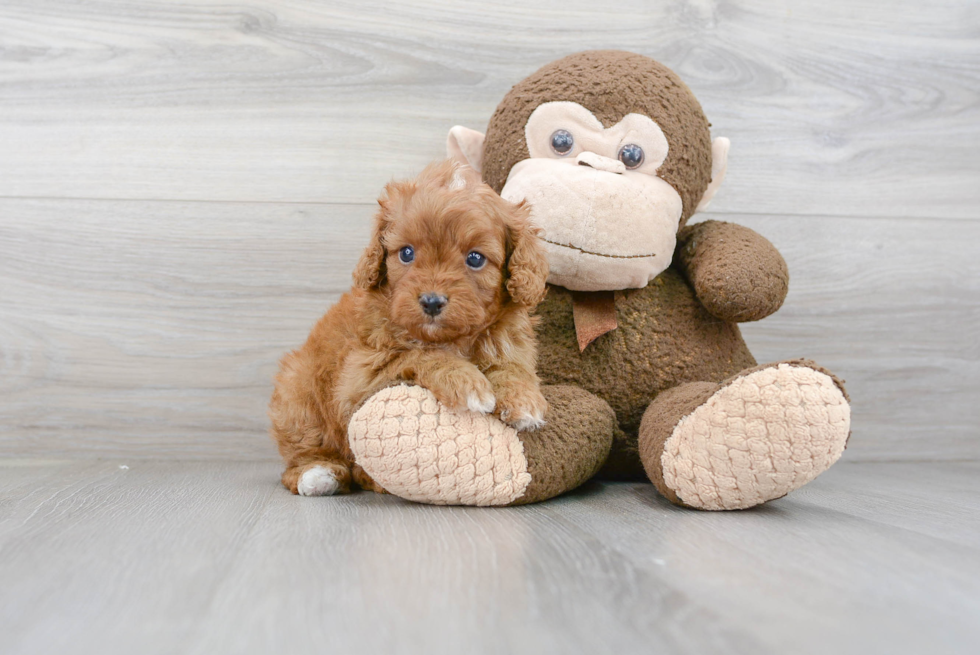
(659, 421)
(665, 338)
(737, 274)
(802, 362)
(566, 452)
(623, 462)
(610, 84)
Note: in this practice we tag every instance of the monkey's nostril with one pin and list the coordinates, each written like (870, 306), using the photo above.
(432, 303)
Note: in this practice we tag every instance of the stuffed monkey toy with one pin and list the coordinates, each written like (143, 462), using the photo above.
(644, 367)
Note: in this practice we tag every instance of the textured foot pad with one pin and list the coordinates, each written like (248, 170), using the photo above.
(758, 438)
(417, 448)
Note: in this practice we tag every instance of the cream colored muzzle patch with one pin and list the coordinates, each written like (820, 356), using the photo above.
(418, 449)
(604, 231)
(758, 438)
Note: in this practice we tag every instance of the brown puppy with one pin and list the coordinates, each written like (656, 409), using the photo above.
(442, 298)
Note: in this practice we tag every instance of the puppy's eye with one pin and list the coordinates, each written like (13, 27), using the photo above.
(562, 142)
(631, 155)
(475, 260)
(406, 255)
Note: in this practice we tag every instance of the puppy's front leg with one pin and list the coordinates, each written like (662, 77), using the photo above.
(454, 381)
(519, 399)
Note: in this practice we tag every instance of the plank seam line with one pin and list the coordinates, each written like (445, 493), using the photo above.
(327, 203)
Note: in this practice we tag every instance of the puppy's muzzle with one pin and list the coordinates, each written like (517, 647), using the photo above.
(432, 303)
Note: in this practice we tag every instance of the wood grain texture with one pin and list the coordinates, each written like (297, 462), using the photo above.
(893, 307)
(135, 322)
(153, 329)
(835, 108)
(813, 571)
(162, 320)
(193, 557)
(109, 555)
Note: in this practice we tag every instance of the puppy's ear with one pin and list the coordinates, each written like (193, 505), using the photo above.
(527, 263)
(371, 269)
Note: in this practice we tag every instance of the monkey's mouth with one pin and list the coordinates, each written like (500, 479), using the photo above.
(597, 254)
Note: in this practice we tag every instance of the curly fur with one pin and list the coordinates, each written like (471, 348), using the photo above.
(478, 353)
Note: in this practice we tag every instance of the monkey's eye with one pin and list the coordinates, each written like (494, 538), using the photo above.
(476, 260)
(631, 155)
(406, 255)
(562, 142)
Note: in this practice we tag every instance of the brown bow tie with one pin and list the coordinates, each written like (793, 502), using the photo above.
(594, 313)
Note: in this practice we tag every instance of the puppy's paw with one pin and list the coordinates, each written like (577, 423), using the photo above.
(318, 481)
(528, 421)
(365, 481)
(521, 406)
(482, 402)
(464, 388)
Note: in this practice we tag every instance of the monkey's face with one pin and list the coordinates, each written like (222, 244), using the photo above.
(608, 220)
(612, 153)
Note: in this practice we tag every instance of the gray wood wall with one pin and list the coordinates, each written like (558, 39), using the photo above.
(185, 186)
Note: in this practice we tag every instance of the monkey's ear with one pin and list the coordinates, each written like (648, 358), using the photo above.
(466, 146)
(719, 164)
(371, 269)
(527, 263)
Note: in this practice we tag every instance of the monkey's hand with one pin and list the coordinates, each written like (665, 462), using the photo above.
(519, 399)
(736, 273)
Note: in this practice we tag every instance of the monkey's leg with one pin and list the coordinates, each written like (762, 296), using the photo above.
(416, 448)
(755, 437)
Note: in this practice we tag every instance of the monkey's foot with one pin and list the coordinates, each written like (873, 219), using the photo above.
(754, 438)
(417, 448)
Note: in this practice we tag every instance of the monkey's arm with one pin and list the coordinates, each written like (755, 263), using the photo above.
(736, 273)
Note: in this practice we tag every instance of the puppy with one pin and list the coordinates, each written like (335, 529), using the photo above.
(441, 298)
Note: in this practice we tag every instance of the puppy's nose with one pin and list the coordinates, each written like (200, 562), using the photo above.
(432, 303)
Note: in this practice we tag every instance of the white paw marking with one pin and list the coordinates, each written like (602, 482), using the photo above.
(318, 481)
(528, 421)
(482, 404)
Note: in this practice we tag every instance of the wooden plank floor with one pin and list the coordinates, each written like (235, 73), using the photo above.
(215, 557)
